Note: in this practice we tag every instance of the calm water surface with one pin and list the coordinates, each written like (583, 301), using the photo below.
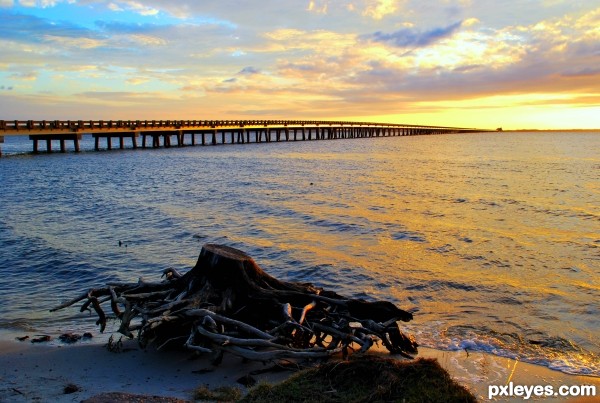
(493, 240)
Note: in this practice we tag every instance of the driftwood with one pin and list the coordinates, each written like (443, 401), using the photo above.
(227, 303)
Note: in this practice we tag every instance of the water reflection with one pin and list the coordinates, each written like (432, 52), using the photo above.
(489, 238)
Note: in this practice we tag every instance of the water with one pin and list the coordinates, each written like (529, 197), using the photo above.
(492, 240)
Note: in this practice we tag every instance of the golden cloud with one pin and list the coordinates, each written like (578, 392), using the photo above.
(377, 9)
(72, 42)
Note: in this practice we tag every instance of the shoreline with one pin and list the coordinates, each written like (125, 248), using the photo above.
(39, 372)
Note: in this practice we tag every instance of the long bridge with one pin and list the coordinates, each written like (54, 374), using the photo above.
(209, 132)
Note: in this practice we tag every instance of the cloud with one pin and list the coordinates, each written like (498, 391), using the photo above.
(31, 76)
(114, 7)
(148, 40)
(318, 8)
(584, 72)
(378, 9)
(134, 6)
(361, 57)
(249, 71)
(137, 80)
(408, 37)
(70, 42)
(39, 3)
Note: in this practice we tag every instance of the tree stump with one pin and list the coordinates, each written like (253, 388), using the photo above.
(227, 303)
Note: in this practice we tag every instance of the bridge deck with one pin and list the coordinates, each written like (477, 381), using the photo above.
(61, 130)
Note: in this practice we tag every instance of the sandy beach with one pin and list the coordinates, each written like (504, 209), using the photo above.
(45, 372)
(35, 372)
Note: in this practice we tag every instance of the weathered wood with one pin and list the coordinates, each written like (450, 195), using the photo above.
(227, 303)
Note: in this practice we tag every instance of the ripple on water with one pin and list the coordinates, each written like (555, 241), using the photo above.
(471, 230)
(408, 236)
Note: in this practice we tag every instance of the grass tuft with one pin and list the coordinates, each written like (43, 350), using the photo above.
(366, 379)
(220, 394)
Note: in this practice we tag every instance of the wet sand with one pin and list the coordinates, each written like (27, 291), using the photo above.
(40, 373)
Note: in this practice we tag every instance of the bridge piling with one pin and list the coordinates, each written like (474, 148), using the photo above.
(240, 132)
(62, 138)
(110, 136)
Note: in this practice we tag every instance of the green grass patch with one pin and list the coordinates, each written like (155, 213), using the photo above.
(366, 379)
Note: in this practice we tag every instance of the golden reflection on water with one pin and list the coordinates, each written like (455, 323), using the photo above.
(493, 235)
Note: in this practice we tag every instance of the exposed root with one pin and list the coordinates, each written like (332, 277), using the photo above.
(227, 303)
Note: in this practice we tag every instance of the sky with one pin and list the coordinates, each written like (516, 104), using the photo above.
(517, 64)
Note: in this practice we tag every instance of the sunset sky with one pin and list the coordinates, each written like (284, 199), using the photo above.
(468, 63)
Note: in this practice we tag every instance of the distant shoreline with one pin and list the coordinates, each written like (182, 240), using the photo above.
(547, 130)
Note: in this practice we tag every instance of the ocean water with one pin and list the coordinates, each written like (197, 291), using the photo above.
(492, 240)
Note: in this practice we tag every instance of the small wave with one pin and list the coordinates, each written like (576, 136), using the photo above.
(554, 352)
(489, 203)
(473, 257)
(440, 285)
(447, 248)
(17, 324)
(507, 301)
(339, 226)
(408, 236)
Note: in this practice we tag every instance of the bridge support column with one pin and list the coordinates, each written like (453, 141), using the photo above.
(60, 137)
(110, 136)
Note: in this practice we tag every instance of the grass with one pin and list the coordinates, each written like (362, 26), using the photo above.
(366, 379)
(221, 394)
